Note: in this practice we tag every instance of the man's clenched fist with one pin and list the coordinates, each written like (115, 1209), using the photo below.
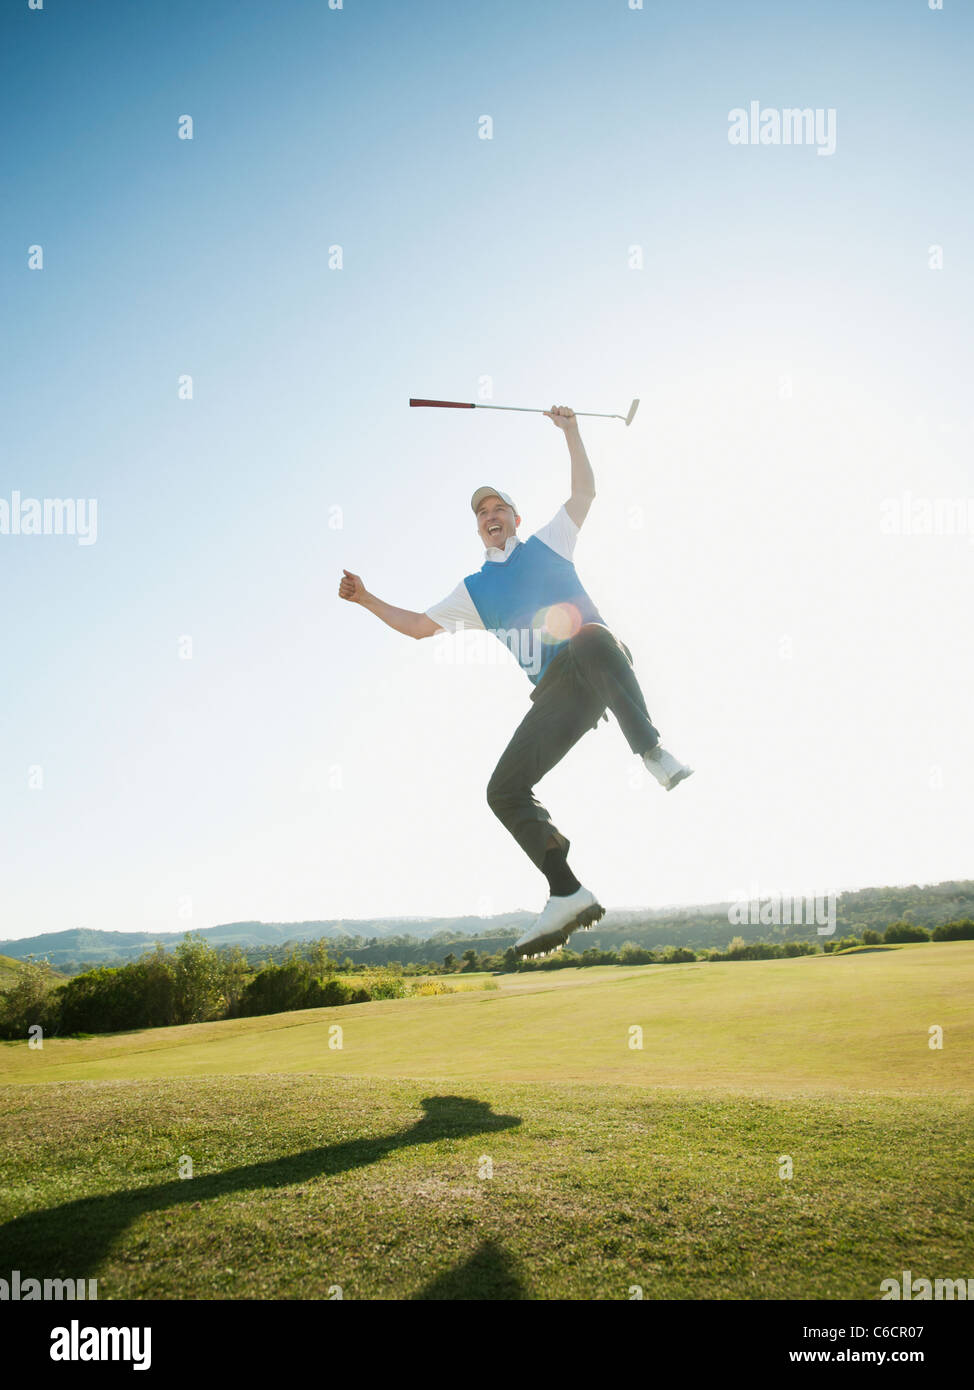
(563, 416)
(351, 587)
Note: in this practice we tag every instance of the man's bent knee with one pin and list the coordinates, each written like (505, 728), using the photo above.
(500, 795)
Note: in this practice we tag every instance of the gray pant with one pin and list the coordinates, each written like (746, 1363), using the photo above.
(591, 673)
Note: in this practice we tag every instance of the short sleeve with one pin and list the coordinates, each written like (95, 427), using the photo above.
(560, 534)
(456, 611)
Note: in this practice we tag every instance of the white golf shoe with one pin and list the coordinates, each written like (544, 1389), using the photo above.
(667, 770)
(561, 916)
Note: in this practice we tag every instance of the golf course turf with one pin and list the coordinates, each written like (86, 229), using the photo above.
(516, 1143)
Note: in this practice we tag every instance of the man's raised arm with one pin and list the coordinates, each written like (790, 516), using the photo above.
(583, 479)
(403, 620)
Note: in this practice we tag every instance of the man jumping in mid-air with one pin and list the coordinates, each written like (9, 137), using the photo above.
(528, 594)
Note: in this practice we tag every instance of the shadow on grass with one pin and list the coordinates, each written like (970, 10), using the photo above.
(71, 1240)
(487, 1274)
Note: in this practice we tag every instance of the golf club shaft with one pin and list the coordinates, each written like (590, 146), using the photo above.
(529, 409)
(536, 410)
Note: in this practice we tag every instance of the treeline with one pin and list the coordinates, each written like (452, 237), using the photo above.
(739, 949)
(696, 933)
(866, 911)
(198, 983)
(195, 983)
(695, 928)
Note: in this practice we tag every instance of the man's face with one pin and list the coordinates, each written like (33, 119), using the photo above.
(496, 522)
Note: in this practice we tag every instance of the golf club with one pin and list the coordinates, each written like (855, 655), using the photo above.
(533, 409)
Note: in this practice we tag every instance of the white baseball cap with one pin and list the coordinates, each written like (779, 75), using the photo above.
(483, 492)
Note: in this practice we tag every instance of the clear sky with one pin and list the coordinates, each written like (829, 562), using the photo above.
(803, 367)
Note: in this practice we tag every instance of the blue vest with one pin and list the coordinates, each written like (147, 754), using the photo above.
(533, 602)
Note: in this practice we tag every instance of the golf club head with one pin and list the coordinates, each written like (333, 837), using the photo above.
(632, 410)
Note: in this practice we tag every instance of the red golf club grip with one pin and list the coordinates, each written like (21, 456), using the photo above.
(452, 405)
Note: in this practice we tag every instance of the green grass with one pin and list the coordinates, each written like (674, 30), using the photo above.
(825, 1023)
(363, 1167)
(303, 1183)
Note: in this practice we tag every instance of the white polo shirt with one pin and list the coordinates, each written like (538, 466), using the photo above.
(458, 611)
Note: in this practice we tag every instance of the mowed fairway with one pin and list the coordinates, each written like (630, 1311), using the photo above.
(510, 1143)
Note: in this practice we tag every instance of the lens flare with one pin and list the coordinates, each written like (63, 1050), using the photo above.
(558, 623)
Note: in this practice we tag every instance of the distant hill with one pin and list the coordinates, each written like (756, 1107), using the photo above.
(88, 946)
(411, 939)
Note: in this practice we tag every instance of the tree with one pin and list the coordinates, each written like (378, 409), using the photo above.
(198, 973)
(279, 988)
(28, 1003)
(321, 961)
(235, 975)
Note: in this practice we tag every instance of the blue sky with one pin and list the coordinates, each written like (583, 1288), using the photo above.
(799, 364)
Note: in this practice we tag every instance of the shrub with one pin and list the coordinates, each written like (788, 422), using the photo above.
(593, 956)
(384, 984)
(739, 949)
(150, 981)
(102, 1001)
(278, 989)
(192, 984)
(332, 991)
(906, 931)
(633, 954)
(751, 950)
(955, 931)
